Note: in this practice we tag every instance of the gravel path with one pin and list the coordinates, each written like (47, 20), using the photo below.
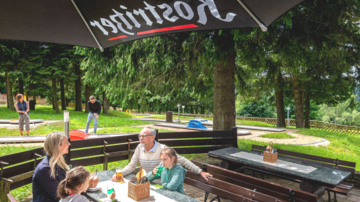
(297, 140)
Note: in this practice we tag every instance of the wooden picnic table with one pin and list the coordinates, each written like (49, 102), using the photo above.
(156, 193)
(318, 175)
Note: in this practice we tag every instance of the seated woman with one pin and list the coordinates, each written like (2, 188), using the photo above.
(51, 170)
(173, 175)
(76, 181)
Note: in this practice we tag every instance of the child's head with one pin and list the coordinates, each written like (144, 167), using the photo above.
(168, 157)
(76, 181)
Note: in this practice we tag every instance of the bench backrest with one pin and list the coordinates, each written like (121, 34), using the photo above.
(280, 192)
(225, 189)
(11, 198)
(312, 159)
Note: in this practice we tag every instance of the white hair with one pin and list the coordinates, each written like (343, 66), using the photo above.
(152, 131)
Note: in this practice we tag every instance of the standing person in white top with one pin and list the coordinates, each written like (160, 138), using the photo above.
(147, 153)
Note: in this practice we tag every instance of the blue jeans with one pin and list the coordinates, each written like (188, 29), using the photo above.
(90, 117)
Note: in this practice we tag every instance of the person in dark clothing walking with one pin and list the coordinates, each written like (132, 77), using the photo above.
(94, 111)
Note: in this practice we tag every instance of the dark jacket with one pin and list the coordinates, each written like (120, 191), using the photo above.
(44, 187)
(94, 108)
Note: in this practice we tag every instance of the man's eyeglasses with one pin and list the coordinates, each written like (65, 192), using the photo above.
(140, 136)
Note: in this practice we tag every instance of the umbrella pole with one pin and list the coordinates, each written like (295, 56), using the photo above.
(92, 33)
(262, 26)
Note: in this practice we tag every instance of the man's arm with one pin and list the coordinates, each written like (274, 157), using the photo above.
(133, 163)
(193, 168)
(89, 106)
(99, 109)
(184, 162)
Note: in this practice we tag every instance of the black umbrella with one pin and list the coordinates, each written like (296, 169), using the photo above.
(104, 23)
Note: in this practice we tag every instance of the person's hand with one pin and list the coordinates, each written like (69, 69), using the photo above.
(114, 178)
(112, 196)
(155, 170)
(97, 116)
(205, 175)
(94, 180)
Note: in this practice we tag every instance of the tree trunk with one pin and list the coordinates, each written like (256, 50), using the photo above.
(9, 94)
(307, 109)
(202, 110)
(63, 99)
(34, 98)
(299, 114)
(105, 103)
(280, 112)
(54, 97)
(87, 95)
(224, 93)
(302, 100)
(21, 86)
(78, 101)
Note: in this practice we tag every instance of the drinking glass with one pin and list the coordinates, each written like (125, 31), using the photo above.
(110, 188)
(159, 169)
(119, 176)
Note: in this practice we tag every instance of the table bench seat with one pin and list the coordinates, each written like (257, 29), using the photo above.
(245, 186)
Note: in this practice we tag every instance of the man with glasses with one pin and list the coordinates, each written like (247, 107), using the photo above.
(147, 153)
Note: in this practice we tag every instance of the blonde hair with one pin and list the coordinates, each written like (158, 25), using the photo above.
(52, 147)
(170, 152)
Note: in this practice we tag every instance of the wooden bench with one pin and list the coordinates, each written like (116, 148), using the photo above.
(11, 197)
(342, 188)
(240, 187)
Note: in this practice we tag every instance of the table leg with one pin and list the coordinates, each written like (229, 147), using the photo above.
(312, 188)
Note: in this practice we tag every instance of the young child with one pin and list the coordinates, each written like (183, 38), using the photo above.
(173, 174)
(76, 181)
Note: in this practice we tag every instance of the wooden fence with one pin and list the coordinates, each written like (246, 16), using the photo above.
(16, 170)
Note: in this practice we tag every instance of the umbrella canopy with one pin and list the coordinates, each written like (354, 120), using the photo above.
(101, 24)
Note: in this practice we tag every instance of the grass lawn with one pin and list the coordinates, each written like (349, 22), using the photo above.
(118, 121)
(188, 118)
(254, 123)
(77, 119)
(277, 135)
(132, 129)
